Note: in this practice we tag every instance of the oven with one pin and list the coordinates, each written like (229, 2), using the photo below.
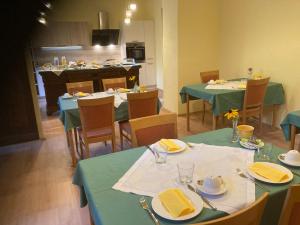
(136, 50)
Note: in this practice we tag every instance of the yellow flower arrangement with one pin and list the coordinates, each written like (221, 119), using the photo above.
(232, 114)
(132, 78)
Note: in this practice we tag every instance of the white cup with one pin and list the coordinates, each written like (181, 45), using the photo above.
(293, 156)
(213, 183)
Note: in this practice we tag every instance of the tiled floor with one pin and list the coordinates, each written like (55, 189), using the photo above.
(36, 177)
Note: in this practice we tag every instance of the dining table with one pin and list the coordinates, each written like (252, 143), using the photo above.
(70, 117)
(98, 177)
(289, 126)
(222, 98)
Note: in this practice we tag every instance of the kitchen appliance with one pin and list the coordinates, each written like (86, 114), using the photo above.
(105, 36)
(128, 61)
(136, 50)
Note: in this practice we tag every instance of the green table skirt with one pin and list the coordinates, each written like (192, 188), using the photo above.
(96, 176)
(224, 100)
(292, 118)
(69, 113)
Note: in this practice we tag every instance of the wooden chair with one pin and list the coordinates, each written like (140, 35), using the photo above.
(251, 215)
(97, 121)
(85, 86)
(139, 105)
(254, 99)
(114, 83)
(150, 129)
(205, 77)
(290, 213)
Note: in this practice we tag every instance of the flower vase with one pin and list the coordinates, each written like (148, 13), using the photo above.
(235, 135)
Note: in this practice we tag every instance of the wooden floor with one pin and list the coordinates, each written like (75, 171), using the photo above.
(36, 177)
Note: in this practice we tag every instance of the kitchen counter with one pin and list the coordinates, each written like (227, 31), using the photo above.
(55, 80)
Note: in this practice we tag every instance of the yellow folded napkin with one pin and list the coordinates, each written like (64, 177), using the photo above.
(176, 203)
(123, 90)
(81, 94)
(169, 145)
(268, 172)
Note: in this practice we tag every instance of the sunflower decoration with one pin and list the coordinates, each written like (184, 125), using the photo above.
(132, 78)
(232, 114)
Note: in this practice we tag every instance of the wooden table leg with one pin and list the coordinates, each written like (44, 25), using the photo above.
(275, 108)
(293, 136)
(214, 124)
(187, 112)
(72, 147)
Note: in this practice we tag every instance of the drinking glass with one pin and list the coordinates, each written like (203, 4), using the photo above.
(160, 157)
(185, 171)
(265, 153)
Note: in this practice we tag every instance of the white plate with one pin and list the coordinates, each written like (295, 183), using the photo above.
(251, 146)
(182, 145)
(276, 166)
(288, 162)
(222, 190)
(160, 210)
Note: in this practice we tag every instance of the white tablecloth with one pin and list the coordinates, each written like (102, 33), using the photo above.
(146, 177)
(230, 85)
(119, 97)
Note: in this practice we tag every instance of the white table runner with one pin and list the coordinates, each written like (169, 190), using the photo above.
(146, 177)
(230, 85)
(119, 97)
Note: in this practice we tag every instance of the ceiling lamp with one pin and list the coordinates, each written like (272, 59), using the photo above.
(128, 13)
(48, 5)
(132, 6)
(127, 20)
(42, 20)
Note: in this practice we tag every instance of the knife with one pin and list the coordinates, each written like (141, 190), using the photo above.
(203, 198)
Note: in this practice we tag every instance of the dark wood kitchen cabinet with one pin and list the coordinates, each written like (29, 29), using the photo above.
(55, 85)
(62, 34)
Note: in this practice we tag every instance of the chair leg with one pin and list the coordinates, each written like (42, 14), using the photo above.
(76, 139)
(121, 137)
(203, 114)
(113, 143)
(87, 149)
(105, 143)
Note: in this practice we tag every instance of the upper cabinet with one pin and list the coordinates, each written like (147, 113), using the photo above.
(62, 34)
(134, 32)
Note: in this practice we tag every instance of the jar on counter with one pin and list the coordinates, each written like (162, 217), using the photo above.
(55, 61)
(63, 61)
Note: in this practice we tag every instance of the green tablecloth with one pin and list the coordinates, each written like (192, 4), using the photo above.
(292, 118)
(224, 100)
(96, 176)
(69, 113)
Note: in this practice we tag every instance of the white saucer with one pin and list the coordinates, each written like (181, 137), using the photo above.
(158, 147)
(287, 162)
(160, 210)
(222, 190)
(250, 145)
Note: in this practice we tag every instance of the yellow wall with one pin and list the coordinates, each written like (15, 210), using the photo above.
(198, 38)
(170, 54)
(264, 35)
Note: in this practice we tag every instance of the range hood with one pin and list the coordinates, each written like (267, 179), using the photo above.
(105, 36)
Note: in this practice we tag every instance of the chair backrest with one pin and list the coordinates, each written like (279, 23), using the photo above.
(255, 93)
(150, 129)
(96, 113)
(85, 86)
(290, 213)
(114, 83)
(142, 104)
(248, 216)
(209, 75)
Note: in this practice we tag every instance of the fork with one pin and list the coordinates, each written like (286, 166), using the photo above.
(241, 174)
(146, 207)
